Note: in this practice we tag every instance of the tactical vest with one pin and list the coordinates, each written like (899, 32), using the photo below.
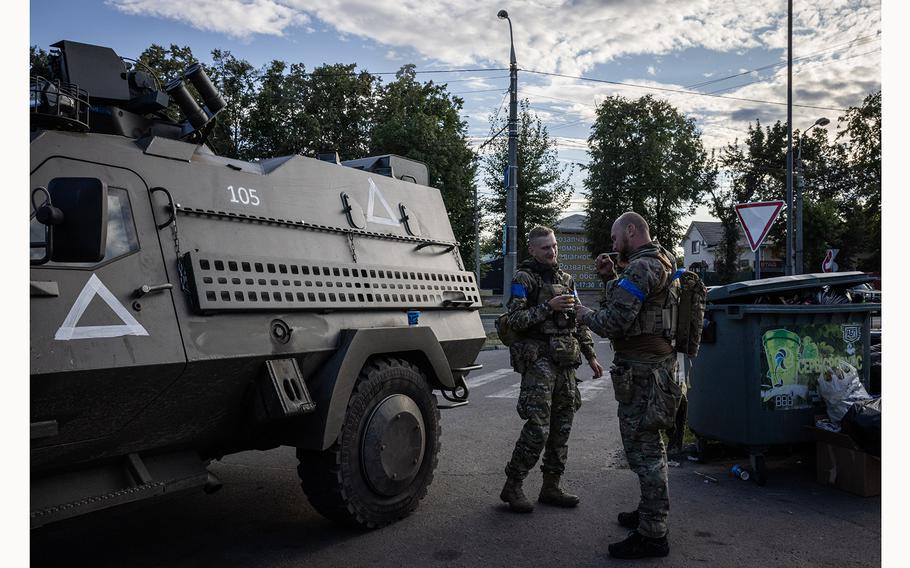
(659, 309)
(559, 323)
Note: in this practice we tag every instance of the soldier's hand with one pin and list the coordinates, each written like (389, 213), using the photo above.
(596, 367)
(604, 265)
(562, 303)
(580, 311)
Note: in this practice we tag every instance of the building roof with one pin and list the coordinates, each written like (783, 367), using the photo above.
(713, 232)
(571, 224)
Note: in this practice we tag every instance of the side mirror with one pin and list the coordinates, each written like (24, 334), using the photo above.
(82, 235)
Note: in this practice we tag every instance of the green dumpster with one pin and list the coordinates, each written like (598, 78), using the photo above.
(754, 382)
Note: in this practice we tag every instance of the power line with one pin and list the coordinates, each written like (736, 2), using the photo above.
(680, 91)
(481, 70)
(817, 64)
(857, 41)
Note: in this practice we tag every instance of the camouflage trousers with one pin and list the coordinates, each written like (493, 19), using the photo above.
(548, 401)
(644, 447)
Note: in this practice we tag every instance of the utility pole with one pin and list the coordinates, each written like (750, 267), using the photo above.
(788, 263)
(510, 261)
(476, 239)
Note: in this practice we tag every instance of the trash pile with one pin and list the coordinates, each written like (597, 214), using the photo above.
(851, 409)
(826, 295)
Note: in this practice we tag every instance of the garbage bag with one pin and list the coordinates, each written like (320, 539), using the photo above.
(863, 423)
(840, 387)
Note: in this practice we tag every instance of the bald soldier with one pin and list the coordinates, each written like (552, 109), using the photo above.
(636, 315)
(549, 349)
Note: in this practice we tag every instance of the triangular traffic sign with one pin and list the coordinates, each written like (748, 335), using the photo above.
(92, 288)
(371, 217)
(757, 218)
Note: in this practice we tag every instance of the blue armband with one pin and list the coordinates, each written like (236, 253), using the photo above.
(519, 291)
(677, 274)
(632, 289)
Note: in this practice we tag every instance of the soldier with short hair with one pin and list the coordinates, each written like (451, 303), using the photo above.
(548, 352)
(637, 316)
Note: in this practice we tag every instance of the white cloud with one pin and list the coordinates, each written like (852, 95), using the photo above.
(575, 36)
(240, 19)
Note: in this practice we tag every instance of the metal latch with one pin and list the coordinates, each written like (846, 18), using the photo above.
(147, 289)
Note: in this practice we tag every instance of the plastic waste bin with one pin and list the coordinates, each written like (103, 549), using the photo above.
(754, 382)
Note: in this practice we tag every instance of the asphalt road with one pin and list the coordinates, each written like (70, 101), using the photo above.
(261, 517)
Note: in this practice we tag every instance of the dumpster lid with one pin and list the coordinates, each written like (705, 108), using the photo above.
(785, 284)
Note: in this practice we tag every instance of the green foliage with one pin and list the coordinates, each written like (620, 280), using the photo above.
(543, 185)
(422, 121)
(338, 103)
(38, 62)
(236, 79)
(646, 157)
(841, 188)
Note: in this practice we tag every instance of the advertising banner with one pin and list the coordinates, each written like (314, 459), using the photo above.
(794, 357)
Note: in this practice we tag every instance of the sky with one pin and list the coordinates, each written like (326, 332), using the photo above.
(669, 48)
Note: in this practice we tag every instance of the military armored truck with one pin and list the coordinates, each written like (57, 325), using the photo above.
(187, 306)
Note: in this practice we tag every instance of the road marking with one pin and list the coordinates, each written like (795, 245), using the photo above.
(511, 392)
(587, 389)
(480, 380)
(591, 389)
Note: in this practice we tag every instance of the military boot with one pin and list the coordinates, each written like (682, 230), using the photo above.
(640, 546)
(515, 497)
(628, 520)
(551, 494)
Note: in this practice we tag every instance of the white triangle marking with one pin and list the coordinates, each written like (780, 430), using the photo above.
(94, 287)
(374, 191)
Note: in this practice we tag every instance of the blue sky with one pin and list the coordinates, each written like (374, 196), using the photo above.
(670, 44)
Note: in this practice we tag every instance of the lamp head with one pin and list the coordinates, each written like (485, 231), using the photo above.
(822, 122)
(502, 15)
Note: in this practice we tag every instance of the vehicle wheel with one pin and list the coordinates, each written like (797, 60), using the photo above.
(380, 466)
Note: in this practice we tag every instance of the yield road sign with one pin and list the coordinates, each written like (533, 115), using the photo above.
(757, 218)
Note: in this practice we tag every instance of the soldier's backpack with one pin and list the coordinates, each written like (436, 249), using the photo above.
(690, 312)
(507, 335)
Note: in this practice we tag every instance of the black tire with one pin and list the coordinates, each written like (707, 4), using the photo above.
(350, 482)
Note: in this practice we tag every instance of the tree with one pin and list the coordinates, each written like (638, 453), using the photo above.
(646, 157)
(422, 121)
(338, 103)
(39, 62)
(860, 142)
(756, 171)
(236, 80)
(543, 185)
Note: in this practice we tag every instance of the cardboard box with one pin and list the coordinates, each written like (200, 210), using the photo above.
(842, 464)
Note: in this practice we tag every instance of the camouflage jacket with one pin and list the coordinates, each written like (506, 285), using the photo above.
(630, 313)
(530, 315)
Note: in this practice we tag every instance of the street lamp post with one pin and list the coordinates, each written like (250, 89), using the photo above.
(788, 263)
(511, 258)
(799, 194)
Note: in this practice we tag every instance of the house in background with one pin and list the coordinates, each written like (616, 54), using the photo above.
(703, 239)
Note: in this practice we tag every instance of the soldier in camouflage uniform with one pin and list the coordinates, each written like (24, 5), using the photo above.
(638, 315)
(549, 350)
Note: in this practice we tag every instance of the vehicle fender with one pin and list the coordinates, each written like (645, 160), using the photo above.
(334, 382)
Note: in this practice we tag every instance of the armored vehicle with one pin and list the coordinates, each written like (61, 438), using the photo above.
(186, 306)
